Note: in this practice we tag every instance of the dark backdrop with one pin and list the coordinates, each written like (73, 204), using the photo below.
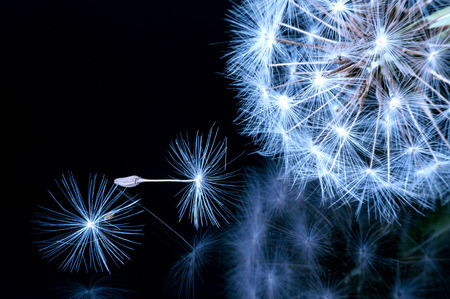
(93, 86)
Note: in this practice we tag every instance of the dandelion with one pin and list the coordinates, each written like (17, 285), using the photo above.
(309, 250)
(186, 273)
(310, 239)
(274, 276)
(365, 84)
(89, 231)
(405, 287)
(203, 167)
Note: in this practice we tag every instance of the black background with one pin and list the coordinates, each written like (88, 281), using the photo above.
(103, 87)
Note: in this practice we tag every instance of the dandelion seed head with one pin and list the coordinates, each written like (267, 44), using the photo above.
(370, 171)
(319, 80)
(312, 250)
(198, 181)
(267, 38)
(365, 78)
(186, 274)
(395, 102)
(284, 102)
(341, 132)
(381, 42)
(82, 230)
(204, 165)
(90, 224)
(412, 149)
(315, 149)
(339, 6)
(432, 56)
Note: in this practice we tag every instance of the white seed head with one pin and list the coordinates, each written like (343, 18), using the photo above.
(90, 224)
(365, 80)
(284, 102)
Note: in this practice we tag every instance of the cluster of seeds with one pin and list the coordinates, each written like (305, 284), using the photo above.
(354, 94)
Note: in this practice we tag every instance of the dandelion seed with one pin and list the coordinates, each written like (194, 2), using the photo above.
(186, 273)
(92, 230)
(203, 167)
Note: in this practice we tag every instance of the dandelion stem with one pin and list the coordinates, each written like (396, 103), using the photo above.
(375, 137)
(439, 77)
(285, 41)
(288, 83)
(164, 181)
(134, 180)
(298, 63)
(308, 33)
